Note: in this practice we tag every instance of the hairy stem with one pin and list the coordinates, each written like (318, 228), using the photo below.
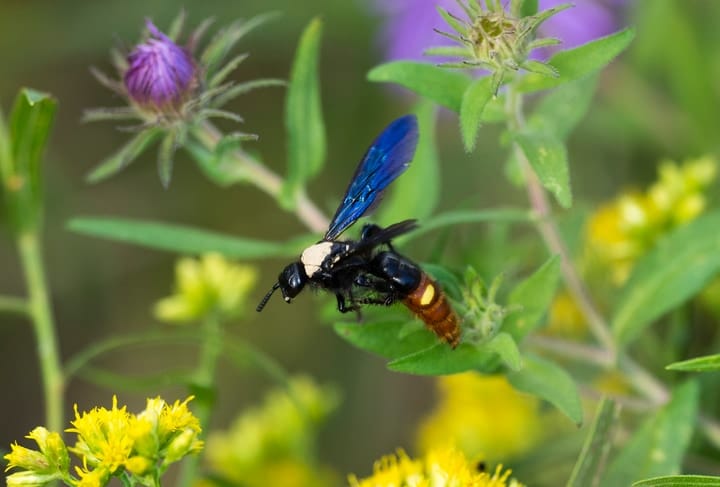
(46, 335)
(266, 180)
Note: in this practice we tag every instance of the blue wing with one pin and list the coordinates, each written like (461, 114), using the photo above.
(388, 156)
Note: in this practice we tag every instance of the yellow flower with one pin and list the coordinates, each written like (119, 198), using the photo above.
(623, 230)
(483, 416)
(441, 467)
(565, 319)
(204, 286)
(277, 433)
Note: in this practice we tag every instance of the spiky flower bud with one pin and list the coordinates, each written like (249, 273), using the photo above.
(161, 75)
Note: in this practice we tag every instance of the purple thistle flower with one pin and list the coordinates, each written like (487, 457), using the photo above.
(161, 75)
(408, 28)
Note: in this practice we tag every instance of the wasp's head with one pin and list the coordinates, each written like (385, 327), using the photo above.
(290, 282)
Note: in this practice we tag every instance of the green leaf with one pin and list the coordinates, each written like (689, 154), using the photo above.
(405, 200)
(24, 145)
(125, 155)
(165, 158)
(440, 85)
(674, 271)
(547, 380)
(658, 446)
(503, 344)
(389, 339)
(561, 110)
(528, 8)
(699, 364)
(440, 359)
(593, 457)
(245, 87)
(533, 296)
(680, 481)
(457, 217)
(548, 158)
(579, 62)
(474, 99)
(179, 238)
(303, 116)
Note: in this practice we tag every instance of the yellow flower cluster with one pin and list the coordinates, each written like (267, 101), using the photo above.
(443, 467)
(110, 442)
(623, 230)
(483, 416)
(275, 440)
(209, 285)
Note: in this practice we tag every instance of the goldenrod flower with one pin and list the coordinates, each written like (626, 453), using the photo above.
(441, 467)
(205, 286)
(625, 229)
(274, 437)
(565, 318)
(483, 416)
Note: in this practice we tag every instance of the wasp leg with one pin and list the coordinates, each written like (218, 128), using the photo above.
(370, 229)
(386, 293)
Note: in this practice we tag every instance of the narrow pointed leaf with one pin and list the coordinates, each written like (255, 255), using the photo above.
(709, 363)
(125, 155)
(658, 446)
(440, 359)
(458, 25)
(474, 100)
(440, 85)
(593, 457)
(548, 157)
(674, 271)
(114, 113)
(680, 481)
(180, 239)
(528, 8)
(246, 87)
(456, 217)
(561, 110)
(579, 62)
(229, 67)
(548, 381)
(303, 115)
(533, 296)
(165, 158)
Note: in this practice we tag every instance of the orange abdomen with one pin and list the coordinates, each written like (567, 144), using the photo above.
(429, 302)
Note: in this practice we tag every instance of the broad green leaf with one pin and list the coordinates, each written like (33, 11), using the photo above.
(562, 109)
(548, 381)
(389, 339)
(416, 193)
(29, 129)
(670, 274)
(303, 115)
(579, 62)
(457, 217)
(680, 481)
(658, 446)
(179, 238)
(440, 359)
(699, 364)
(533, 296)
(593, 457)
(222, 165)
(474, 99)
(440, 85)
(548, 157)
(449, 281)
(503, 344)
(528, 7)
(125, 155)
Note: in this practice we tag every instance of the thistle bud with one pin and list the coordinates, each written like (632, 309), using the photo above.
(161, 75)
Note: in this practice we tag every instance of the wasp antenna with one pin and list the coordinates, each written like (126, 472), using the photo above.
(267, 297)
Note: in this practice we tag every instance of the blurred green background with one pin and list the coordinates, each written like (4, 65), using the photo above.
(660, 100)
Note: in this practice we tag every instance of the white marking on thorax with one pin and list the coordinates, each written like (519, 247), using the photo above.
(313, 257)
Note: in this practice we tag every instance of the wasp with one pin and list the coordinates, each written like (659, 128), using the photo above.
(369, 270)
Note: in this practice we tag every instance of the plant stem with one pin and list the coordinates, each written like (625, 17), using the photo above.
(41, 316)
(266, 180)
(203, 382)
(13, 305)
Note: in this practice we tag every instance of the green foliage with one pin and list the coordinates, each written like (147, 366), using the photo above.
(22, 145)
(549, 381)
(548, 157)
(303, 116)
(674, 271)
(442, 86)
(125, 155)
(181, 239)
(474, 99)
(709, 363)
(658, 446)
(592, 460)
(680, 481)
(579, 62)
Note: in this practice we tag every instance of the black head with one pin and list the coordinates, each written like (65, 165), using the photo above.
(290, 282)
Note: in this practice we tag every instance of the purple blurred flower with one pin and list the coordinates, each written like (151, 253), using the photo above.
(408, 29)
(160, 74)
